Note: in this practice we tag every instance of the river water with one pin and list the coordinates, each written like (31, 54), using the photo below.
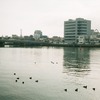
(56, 69)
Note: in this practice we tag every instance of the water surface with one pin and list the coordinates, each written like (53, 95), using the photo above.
(55, 69)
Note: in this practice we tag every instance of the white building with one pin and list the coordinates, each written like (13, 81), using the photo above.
(81, 39)
(37, 34)
(74, 28)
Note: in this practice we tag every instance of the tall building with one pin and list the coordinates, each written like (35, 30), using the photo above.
(73, 29)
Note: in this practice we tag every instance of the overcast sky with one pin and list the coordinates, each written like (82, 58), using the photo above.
(45, 15)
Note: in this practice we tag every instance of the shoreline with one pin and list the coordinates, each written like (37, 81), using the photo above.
(28, 43)
(52, 45)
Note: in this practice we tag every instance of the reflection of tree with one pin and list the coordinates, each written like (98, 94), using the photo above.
(76, 59)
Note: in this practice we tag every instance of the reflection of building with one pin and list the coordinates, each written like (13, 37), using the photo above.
(74, 28)
(76, 59)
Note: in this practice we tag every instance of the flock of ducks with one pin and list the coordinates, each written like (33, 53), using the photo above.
(38, 81)
(23, 81)
(77, 89)
(64, 89)
(31, 77)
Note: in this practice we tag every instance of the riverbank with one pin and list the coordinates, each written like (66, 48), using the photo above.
(28, 43)
(52, 45)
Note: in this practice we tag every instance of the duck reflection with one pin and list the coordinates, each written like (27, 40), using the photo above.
(76, 60)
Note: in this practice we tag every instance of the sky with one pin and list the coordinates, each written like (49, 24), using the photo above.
(45, 15)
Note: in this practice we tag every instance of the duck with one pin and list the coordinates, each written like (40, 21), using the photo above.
(36, 81)
(52, 62)
(85, 87)
(15, 80)
(14, 73)
(22, 82)
(56, 62)
(65, 90)
(30, 77)
(18, 78)
(93, 89)
(76, 89)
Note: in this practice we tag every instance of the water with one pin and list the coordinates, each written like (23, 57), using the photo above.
(55, 69)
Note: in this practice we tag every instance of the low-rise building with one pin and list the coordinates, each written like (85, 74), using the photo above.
(95, 37)
(15, 36)
(81, 39)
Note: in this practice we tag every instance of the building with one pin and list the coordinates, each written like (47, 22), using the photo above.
(73, 29)
(37, 34)
(95, 37)
(15, 36)
(44, 38)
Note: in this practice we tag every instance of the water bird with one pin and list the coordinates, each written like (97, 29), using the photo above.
(18, 78)
(22, 82)
(76, 89)
(56, 62)
(30, 77)
(52, 62)
(65, 90)
(15, 80)
(85, 87)
(14, 73)
(93, 89)
(36, 81)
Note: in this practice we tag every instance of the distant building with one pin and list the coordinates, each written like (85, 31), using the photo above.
(37, 34)
(73, 29)
(44, 38)
(95, 37)
(14, 36)
(56, 40)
